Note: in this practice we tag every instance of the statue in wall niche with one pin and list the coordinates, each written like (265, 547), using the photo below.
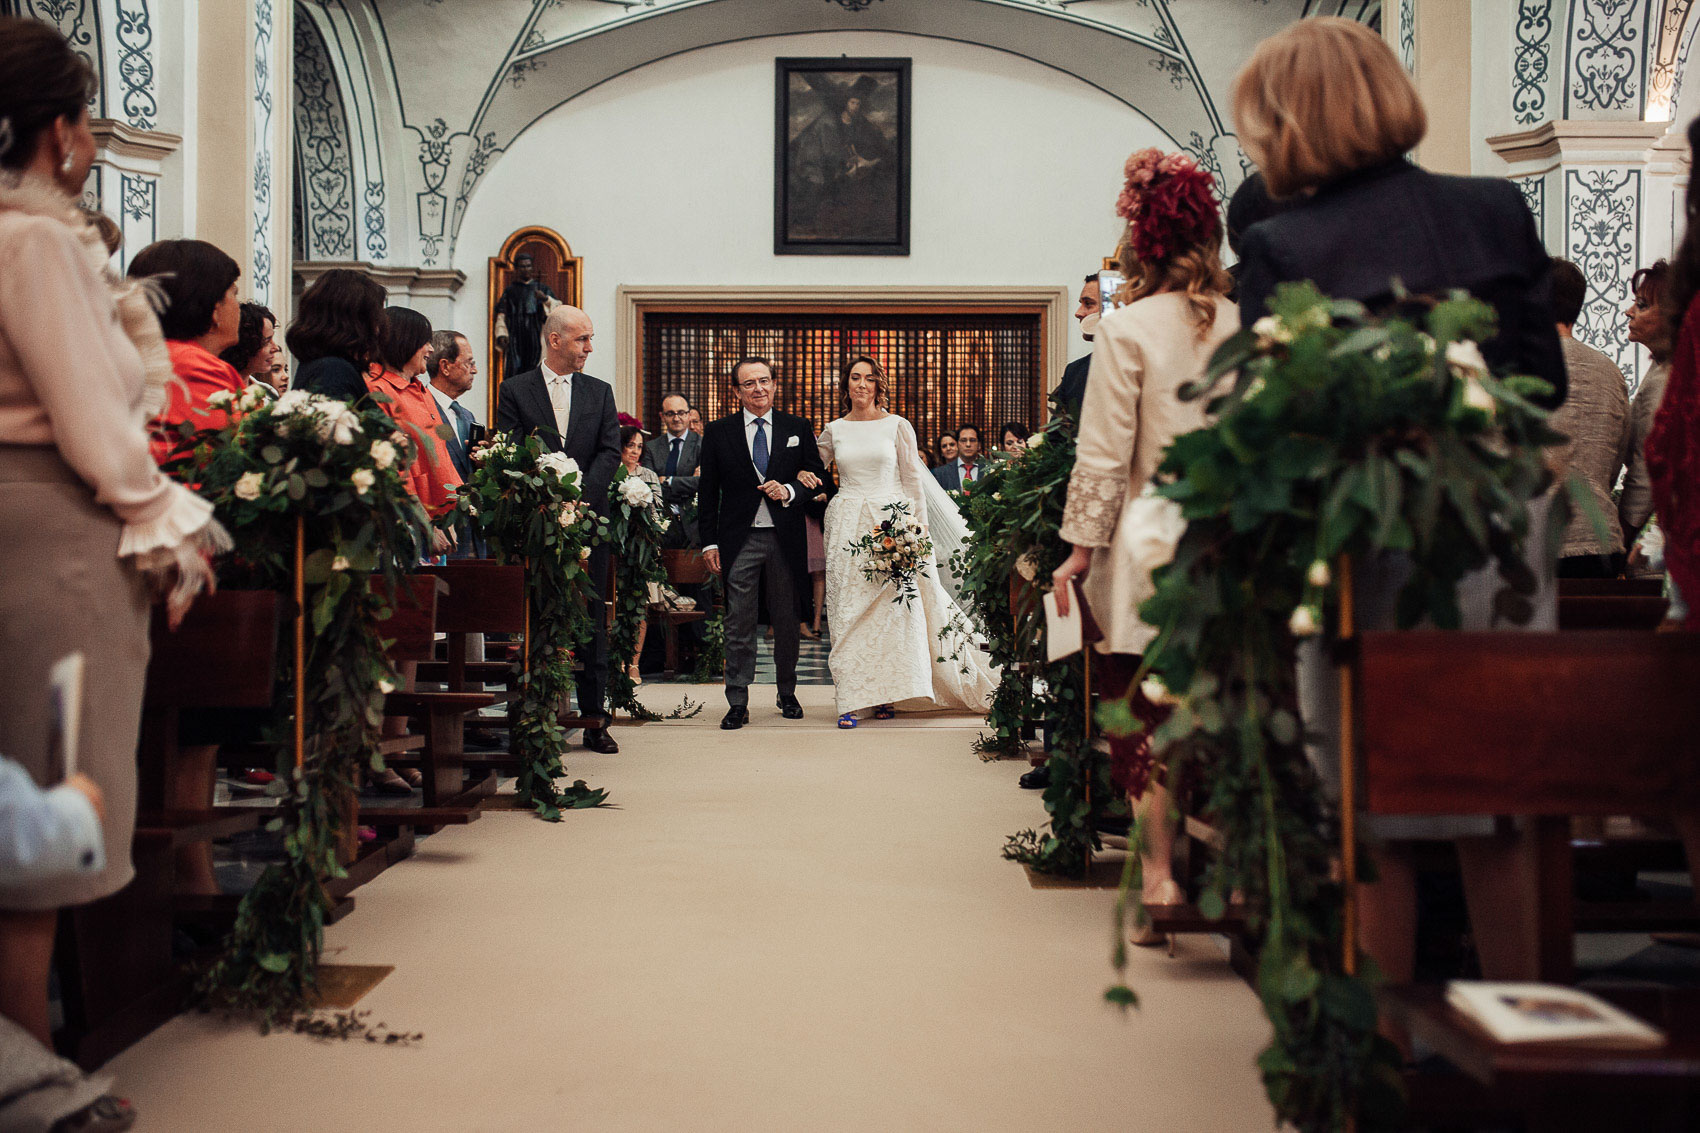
(520, 312)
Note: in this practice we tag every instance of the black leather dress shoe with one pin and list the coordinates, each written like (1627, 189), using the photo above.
(736, 717)
(789, 708)
(1037, 779)
(599, 741)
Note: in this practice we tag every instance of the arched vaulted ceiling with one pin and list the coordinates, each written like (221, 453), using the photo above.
(461, 79)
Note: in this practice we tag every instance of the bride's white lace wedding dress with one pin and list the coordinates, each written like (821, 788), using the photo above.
(885, 652)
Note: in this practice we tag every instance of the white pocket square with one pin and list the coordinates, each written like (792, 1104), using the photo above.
(791, 442)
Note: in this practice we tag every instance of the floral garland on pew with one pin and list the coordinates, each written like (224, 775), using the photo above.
(635, 527)
(529, 505)
(1015, 515)
(1341, 435)
(337, 469)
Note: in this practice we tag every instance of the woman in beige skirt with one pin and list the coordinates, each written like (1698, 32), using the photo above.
(88, 525)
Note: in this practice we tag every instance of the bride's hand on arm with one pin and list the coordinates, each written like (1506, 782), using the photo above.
(1073, 567)
(808, 479)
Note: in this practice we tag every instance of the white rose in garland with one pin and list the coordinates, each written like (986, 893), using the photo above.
(363, 479)
(636, 492)
(559, 463)
(383, 453)
(248, 485)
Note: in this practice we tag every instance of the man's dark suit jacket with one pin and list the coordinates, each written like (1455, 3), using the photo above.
(593, 426)
(1431, 232)
(727, 490)
(1070, 393)
(682, 488)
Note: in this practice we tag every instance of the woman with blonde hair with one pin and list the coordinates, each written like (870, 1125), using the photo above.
(1328, 114)
(1174, 314)
(886, 651)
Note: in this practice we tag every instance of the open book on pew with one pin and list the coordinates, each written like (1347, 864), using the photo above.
(1543, 1013)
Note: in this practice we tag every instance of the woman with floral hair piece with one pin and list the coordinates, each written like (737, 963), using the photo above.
(1174, 314)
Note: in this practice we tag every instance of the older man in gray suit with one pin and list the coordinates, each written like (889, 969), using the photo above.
(674, 456)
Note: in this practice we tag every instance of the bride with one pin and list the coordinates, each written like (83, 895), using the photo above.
(886, 653)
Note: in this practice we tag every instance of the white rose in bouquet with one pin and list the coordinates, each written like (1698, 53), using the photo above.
(383, 453)
(1035, 441)
(1303, 622)
(249, 484)
(292, 401)
(636, 492)
(363, 479)
(568, 514)
(559, 463)
(343, 426)
(221, 399)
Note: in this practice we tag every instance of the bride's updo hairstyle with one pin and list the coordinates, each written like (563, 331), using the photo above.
(882, 384)
(1174, 233)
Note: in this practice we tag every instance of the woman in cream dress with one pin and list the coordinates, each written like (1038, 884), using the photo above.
(1174, 314)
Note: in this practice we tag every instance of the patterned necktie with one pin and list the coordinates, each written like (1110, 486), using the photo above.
(758, 450)
(673, 456)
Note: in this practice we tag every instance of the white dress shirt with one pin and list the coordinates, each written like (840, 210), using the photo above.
(560, 396)
(443, 403)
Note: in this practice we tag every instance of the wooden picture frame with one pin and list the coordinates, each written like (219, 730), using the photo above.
(841, 157)
(556, 266)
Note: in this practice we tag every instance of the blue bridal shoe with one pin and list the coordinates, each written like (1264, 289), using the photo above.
(848, 720)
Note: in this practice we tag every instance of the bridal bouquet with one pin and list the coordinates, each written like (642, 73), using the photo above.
(896, 550)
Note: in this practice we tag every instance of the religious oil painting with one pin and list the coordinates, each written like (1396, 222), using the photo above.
(841, 161)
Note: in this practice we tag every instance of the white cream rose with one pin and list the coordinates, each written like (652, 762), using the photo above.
(559, 463)
(363, 479)
(249, 484)
(636, 492)
(383, 453)
(1303, 622)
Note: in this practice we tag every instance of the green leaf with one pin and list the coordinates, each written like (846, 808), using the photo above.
(275, 962)
(1122, 996)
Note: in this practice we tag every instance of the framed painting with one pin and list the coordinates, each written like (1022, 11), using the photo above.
(841, 157)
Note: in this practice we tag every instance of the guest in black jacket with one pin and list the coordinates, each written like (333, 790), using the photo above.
(339, 328)
(1327, 113)
(573, 413)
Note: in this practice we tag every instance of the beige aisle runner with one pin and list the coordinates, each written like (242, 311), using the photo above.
(786, 927)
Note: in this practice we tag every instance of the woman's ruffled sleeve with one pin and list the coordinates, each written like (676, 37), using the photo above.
(824, 444)
(1109, 426)
(60, 317)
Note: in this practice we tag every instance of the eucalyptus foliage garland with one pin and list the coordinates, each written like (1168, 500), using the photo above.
(1014, 515)
(337, 469)
(635, 527)
(1342, 435)
(528, 503)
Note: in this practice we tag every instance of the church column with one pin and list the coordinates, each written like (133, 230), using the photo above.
(241, 101)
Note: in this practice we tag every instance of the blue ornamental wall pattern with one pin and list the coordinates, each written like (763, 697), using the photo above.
(322, 150)
(1608, 45)
(134, 29)
(1602, 227)
(1408, 35)
(377, 245)
(263, 94)
(79, 22)
(1534, 190)
(436, 146)
(1531, 64)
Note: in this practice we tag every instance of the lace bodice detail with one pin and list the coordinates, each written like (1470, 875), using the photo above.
(876, 459)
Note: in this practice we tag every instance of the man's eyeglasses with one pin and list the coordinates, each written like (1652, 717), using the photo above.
(675, 412)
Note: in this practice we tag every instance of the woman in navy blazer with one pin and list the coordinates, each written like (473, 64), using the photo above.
(1360, 215)
(1327, 113)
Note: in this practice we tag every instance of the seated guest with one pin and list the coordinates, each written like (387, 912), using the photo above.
(947, 449)
(1071, 391)
(200, 320)
(1649, 324)
(398, 376)
(338, 331)
(1596, 419)
(254, 354)
(959, 475)
(633, 453)
(1014, 437)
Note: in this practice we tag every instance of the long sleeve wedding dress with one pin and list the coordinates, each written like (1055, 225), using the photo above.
(914, 654)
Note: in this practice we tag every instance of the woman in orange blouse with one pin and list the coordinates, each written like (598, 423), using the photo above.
(407, 344)
(202, 318)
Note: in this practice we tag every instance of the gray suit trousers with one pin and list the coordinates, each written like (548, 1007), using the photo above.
(759, 556)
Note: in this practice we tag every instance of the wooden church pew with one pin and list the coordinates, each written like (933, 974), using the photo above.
(117, 977)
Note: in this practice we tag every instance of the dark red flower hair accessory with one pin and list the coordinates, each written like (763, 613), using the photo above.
(1169, 204)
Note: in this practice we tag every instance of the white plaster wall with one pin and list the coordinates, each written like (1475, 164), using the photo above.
(665, 176)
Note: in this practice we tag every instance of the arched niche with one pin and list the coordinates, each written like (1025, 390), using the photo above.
(556, 266)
